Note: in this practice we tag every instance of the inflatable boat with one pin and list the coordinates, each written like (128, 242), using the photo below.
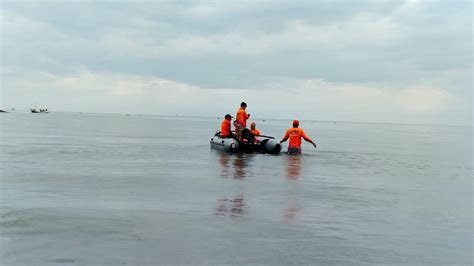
(264, 144)
(269, 144)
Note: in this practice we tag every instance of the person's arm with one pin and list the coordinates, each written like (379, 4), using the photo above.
(285, 137)
(308, 139)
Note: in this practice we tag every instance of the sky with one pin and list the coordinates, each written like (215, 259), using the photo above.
(366, 61)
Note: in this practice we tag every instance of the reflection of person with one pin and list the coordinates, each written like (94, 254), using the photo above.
(295, 134)
(254, 130)
(242, 115)
(239, 166)
(234, 165)
(238, 206)
(225, 127)
(224, 161)
(293, 167)
(289, 215)
(234, 207)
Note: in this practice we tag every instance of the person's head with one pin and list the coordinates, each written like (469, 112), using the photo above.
(243, 105)
(228, 117)
(296, 123)
(252, 126)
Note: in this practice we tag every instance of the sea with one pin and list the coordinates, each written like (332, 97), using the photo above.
(118, 189)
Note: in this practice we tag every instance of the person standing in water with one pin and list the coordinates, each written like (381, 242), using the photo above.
(254, 131)
(242, 115)
(295, 134)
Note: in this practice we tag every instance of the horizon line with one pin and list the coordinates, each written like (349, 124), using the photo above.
(258, 118)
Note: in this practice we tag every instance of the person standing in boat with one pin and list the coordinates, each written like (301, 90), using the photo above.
(242, 115)
(254, 131)
(226, 127)
(295, 134)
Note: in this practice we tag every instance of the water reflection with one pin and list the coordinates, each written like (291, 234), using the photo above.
(290, 212)
(224, 162)
(235, 165)
(234, 208)
(238, 167)
(293, 173)
(293, 167)
(240, 163)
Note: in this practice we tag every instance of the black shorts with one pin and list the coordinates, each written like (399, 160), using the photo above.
(294, 150)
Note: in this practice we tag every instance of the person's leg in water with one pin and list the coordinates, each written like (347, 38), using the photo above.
(294, 150)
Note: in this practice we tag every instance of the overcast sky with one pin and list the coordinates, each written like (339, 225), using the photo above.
(376, 61)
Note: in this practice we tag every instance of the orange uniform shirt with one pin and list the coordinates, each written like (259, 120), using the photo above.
(295, 134)
(225, 128)
(255, 132)
(242, 117)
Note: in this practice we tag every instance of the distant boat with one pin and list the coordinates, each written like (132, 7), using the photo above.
(38, 111)
(3, 111)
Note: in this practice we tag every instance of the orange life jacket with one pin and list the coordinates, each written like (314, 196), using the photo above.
(295, 134)
(225, 128)
(255, 132)
(242, 117)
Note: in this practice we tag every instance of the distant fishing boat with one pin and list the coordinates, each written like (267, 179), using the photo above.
(38, 111)
(3, 111)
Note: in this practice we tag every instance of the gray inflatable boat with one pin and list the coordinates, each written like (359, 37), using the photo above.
(264, 144)
(224, 144)
(269, 145)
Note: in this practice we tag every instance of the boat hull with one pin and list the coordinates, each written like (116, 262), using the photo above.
(269, 145)
(225, 144)
(264, 145)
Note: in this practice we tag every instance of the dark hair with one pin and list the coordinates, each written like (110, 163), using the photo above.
(228, 116)
(243, 104)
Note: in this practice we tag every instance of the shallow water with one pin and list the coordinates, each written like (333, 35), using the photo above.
(115, 189)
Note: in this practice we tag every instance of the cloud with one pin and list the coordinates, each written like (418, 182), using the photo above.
(412, 56)
(309, 99)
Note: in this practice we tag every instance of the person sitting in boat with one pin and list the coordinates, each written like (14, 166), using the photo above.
(226, 127)
(238, 129)
(295, 134)
(254, 131)
(243, 134)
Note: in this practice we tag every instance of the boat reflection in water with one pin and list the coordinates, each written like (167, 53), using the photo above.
(235, 166)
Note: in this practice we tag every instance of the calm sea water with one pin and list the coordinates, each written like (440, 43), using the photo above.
(115, 189)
